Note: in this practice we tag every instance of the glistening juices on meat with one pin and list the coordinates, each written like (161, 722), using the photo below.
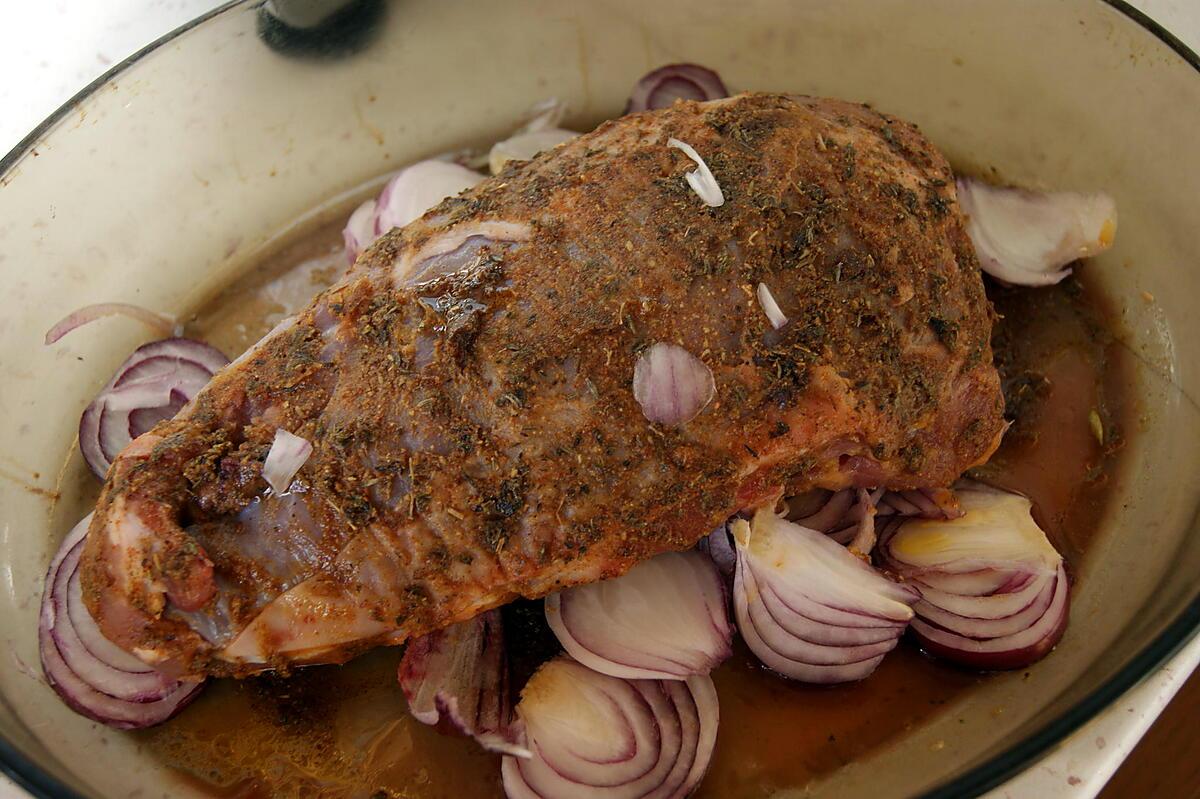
(711, 371)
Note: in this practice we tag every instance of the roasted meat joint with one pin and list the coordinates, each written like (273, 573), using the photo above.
(556, 375)
(702, 383)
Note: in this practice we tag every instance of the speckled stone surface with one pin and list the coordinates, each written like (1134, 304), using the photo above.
(50, 50)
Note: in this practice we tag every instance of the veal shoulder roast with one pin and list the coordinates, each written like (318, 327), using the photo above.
(468, 388)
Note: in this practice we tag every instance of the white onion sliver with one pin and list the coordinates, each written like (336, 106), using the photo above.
(771, 308)
(664, 619)
(287, 454)
(1026, 238)
(701, 178)
(671, 385)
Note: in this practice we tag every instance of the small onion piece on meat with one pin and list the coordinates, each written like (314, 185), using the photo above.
(595, 735)
(662, 87)
(664, 619)
(457, 678)
(671, 384)
(770, 307)
(1027, 238)
(153, 384)
(810, 609)
(701, 179)
(994, 592)
(92, 675)
(287, 454)
(407, 196)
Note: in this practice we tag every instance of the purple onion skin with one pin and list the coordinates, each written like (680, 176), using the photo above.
(998, 661)
(661, 87)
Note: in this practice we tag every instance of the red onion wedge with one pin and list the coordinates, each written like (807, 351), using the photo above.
(996, 532)
(287, 454)
(671, 385)
(457, 678)
(809, 608)
(92, 675)
(850, 516)
(994, 593)
(359, 232)
(153, 384)
(664, 619)
(407, 196)
(162, 324)
(600, 736)
(1027, 238)
(1013, 651)
(662, 87)
(719, 546)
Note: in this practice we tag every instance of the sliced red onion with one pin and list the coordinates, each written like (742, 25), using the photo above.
(417, 188)
(287, 454)
(458, 677)
(994, 593)
(596, 735)
(153, 384)
(1012, 651)
(407, 196)
(823, 511)
(162, 324)
(664, 619)
(809, 608)
(928, 503)
(996, 531)
(719, 546)
(771, 308)
(1026, 238)
(92, 675)
(359, 232)
(671, 384)
(850, 514)
(701, 178)
(662, 87)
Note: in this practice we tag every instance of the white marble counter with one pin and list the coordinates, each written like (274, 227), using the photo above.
(49, 49)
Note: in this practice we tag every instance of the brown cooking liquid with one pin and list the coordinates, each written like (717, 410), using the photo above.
(344, 731)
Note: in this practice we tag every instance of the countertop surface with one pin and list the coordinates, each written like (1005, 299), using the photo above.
(51, 49)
